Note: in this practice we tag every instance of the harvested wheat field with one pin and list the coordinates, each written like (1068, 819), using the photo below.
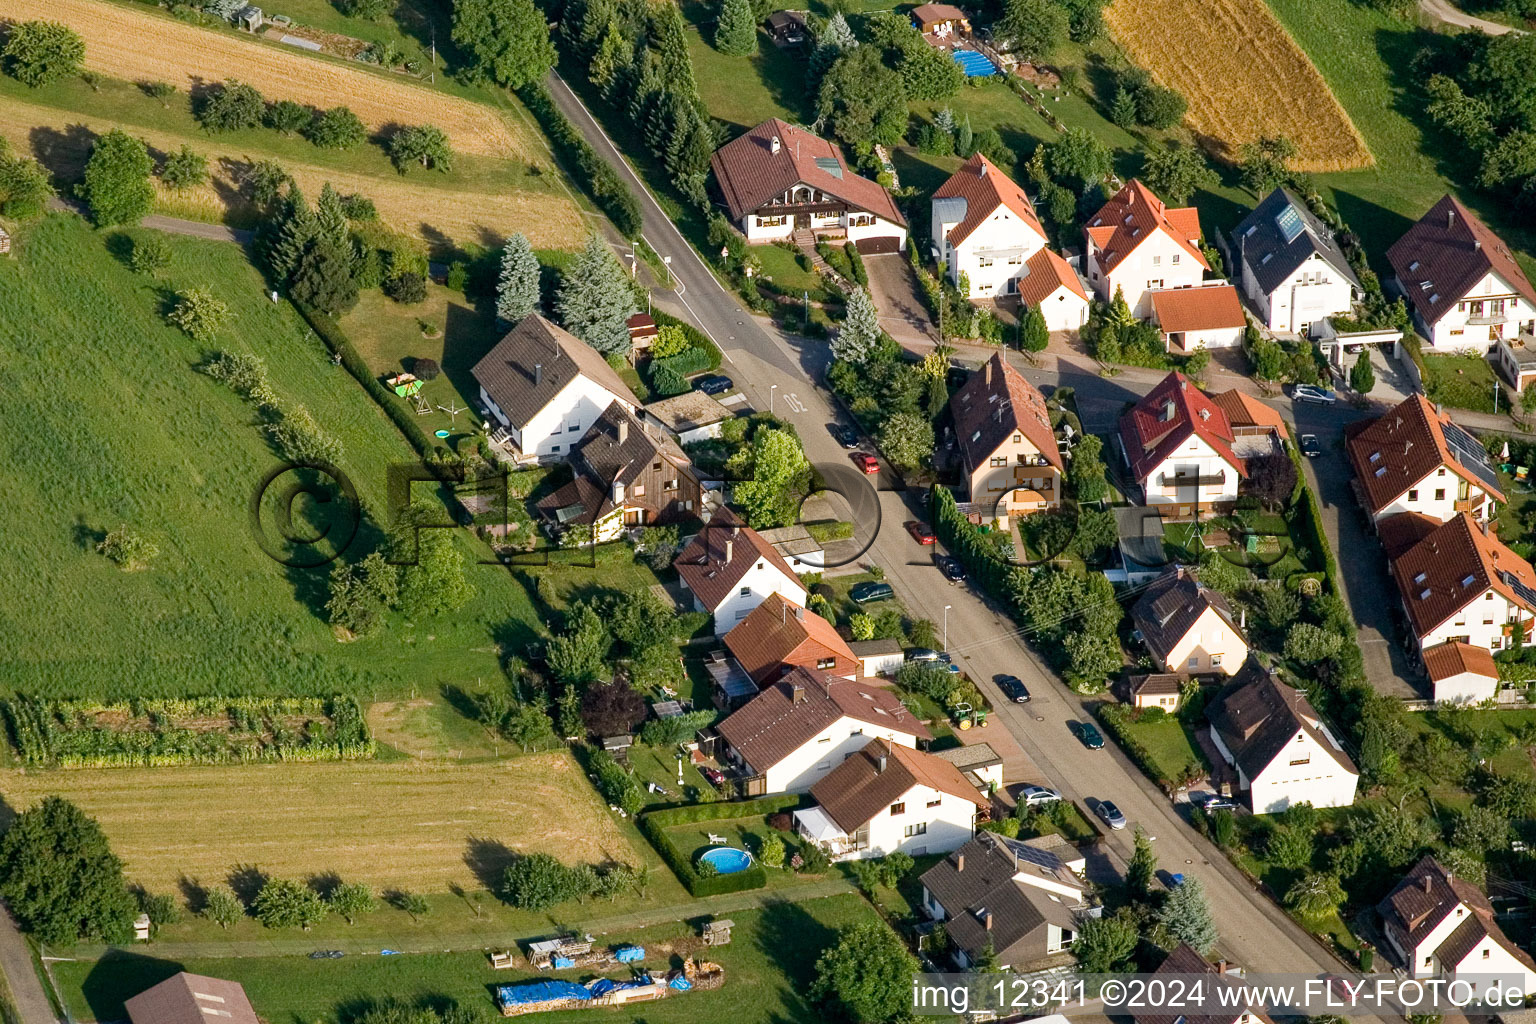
(1243, 74)
(413, 204)
(409, 824)
(141, 46)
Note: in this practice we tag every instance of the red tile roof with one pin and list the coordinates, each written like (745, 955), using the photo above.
(714, 562)
(751, 174)
(1243, 410)
(1453, 658)
(862, 786)
(1450, 250)
(1455, 565)
(1047, 273)
(1395, 451)
(779, 635)
(1399, 533)
(995, 402)
(985, 188)
(1132, 216)
(1167, 417)
(1198, 309)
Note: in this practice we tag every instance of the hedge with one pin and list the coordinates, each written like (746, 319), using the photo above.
(598, 178)
(856, 263)
(696, 338)
(685, 363)
(654, 825)
(1112, 717)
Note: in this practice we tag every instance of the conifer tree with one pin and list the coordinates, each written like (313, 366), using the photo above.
(297, 228)
(517, 292)
(860, 331)
(323, 278)
(596, 300)
(735, 30)
(331, 219)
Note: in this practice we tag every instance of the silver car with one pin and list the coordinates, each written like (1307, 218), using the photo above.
(1034, 796)
(1111, 815)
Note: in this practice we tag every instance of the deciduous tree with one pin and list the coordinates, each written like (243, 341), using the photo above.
(184, 170)
(1086, 472)
(435, 583)
(907, 439)
(422, 144)
(117, 187)
(867, 975)
(24, 185)
(507, 39)
(612, 709)
(39, 52)
(864, 99)
(60, 878)
(223, 907)
(579, 653)
(352, 900)
(537, 881)
(1078, 157)
(1176, 172)
(200, 313)
(779, 475)
(285, 903)
(1271, 479)
(336, 128)
(1104, 945)
(1035, 28)
(231, 106)
(1315, 894)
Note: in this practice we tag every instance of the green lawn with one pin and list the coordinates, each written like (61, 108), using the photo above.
(651, 764)
(743, 91)
(1170, 743)
(1461, 381)
(783, 269)
(748, 834)
(110, 422)
(769, 964)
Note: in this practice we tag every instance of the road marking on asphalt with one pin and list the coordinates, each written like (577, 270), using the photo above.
(793, 401)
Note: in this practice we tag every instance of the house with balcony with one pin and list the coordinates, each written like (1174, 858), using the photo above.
(986, 232)
(1187, 627)
(1186, 962)
(800, 727)
(1415, 459)
(1462, 284)
(779, 181)
(1016, 895)
(887, 797)
(1283, 751)
(543, 388)
(1181, 449)
(1294, 274)
(779, 636)
(730, 569)
(1461, 583)
(1136, 245)
(1010, 458)
(1441, 926)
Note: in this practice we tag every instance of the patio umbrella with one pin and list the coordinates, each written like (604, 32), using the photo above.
(1504, 452)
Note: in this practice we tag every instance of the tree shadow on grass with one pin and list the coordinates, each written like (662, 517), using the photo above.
(62, 151)
(120, 975)
(488, 859)
(193, 893)
(246, 880)
(793, 940)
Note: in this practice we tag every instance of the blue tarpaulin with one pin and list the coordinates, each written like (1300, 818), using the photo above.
(540, 992)
(562, 962)
(680, 983)
(629, 954)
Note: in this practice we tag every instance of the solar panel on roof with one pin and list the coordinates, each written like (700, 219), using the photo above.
(1038, 857)
(830, 165)
(1470, 453)
(1289, 222)
(1522, 591)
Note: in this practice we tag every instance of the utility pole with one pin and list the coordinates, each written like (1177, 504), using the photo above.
(1495, 395)
(434, 53)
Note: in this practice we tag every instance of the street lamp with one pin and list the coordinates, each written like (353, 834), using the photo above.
(773, 391)
(946, 627)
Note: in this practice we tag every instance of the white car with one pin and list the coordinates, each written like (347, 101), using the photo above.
(1308, 393)
(1034, 796)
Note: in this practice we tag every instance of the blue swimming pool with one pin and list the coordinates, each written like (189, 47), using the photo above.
(973, 64)
(727, 859)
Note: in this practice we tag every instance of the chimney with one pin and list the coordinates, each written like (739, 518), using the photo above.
(880, 762)
(983, 171)
(959, 862)
(538, 374)
(1477, 243)
(730, 547)
(796, 693)
(775, 145)
(1450, 219)
(618, 492)
(986, 919)
(623, 430)
(1429, 884)
(1221, 966)
(799, 614)
(1242, 617)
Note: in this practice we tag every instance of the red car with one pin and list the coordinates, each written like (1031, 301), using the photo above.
(715, 776)
(921, 532)
(867, 462)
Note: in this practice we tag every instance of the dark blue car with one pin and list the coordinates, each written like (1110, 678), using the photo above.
(716, 384)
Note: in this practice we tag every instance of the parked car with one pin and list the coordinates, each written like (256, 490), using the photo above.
(1213, 802)
(1310, 446)
(870, 591)
(1013, 688)
(845, 436)
(867, 462)
(714, 384)
(715, 776)
(952, 568)
(1111, 815)
(921, 532)
(1309, 393)
(1090, 735)
(1034, 796)
(922, 654)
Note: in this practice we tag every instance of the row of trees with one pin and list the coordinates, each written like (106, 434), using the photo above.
(538, 881)
(1478, 93)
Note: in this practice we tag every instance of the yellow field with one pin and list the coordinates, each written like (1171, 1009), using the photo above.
(410, 824)
(409, 203)
(1243, 74)
(141, 46)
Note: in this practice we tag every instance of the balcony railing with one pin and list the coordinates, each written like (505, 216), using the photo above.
(1185, 480)
(1485, 321)
(1466, 504)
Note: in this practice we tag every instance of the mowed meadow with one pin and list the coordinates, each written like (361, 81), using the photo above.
(1244, 77)
(107, 420)
(390, 824)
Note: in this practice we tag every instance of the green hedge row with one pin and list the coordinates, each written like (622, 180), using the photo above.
(1113, 718)
(687, 362)
(600, 180)
(856, 264)
(655, 824)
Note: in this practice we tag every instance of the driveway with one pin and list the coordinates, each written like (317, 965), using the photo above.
(893, 286)
(1443, 12)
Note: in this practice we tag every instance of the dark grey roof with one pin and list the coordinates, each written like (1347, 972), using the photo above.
(1141, 536)
(1257, 715)
(1171, 605)
(1263, 233)
(979, 877)
(1186, 960)
(534, 362)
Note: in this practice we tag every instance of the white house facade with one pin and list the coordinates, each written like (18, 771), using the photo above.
(556, 428)
(814, 759)
(984, 229)
(730, 569)
(1305, 771)
(1292, 271)
(1415, 459)
(1461, 674)
(1461, 583)
(1136, 245)
(1177, 444)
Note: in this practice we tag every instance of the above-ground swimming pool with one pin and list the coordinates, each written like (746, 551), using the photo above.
(973, 64)
(727, 859)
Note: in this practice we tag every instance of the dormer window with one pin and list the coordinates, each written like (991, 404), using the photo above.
(1413, 266)
(1375, 456)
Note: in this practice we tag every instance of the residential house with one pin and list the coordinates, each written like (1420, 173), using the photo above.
(691, 416)
(788, 28)
(1186, 961)
(1282, 749)
(1012, 895)
(1516, 360)
(985, 230)
(1462, 583)
(1188, 627)
(888, 797)
(1250, 418)
(1293, 272)
(1182, 450)
(979, 763)
(803, 552)
(545, 387)
(185, 998)
(1442, 926)
(1011, 460)
(942, 21)
(1414, 459)
(882, 657)
(779, 636)
(1462, 283)
(778, 180)
(1156, 690)
(1142, 553)
(1461, 674)
(730, 570)
(793, 733)
(1205, 316)
(623, 476)
(1136, 245)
